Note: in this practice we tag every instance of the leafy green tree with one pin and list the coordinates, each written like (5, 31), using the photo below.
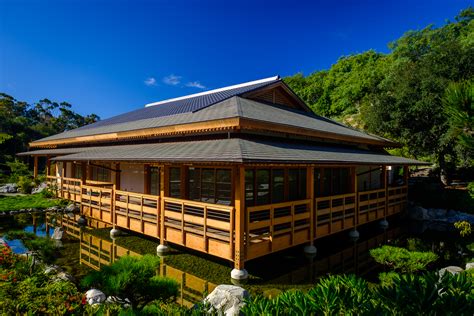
(403, 94)
(21, 123)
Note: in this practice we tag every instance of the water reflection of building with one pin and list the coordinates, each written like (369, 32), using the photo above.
(95, 252)
(355, 259)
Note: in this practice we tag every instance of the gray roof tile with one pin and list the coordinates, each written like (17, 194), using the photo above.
(237, 151)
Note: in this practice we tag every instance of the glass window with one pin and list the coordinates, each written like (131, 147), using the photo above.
(302, 184)
(278, 185)
(224, 186)
(293, 184)
(194, 184)
(175, 182)
(263, 186)
(99, 173)
(208, 186)
(249, 187)
(154, 180)
(77, 171)
(317, 182)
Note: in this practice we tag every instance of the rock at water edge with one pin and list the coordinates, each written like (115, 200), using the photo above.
(94, 296)
(227, 299)
(451, 269)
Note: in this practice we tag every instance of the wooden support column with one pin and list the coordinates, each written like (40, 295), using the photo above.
(117, 175)
(48, 166)
(164, 191)
(355, 186)
(310, 195)
(405, 174)
(35, 167)
(146, 178)
(385, 184)
(84, 172)
(239, 204)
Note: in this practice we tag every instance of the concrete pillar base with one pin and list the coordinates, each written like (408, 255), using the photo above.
(162, 249)
(114, 232)
(237, 274)
(354, 234)
(383, 223)
(310, 250)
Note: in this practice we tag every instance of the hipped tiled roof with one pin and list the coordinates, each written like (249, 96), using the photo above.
(234, 107)
(237, 150)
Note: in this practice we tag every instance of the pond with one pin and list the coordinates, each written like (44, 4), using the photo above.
(84, 249)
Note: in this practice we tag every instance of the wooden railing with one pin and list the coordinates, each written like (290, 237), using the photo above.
(201, 226)
(97, 203)
(397, 199)
(371, 205)
(274, 227)
(137, 212)
(334, 213)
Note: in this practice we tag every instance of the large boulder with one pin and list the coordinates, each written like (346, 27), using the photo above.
(9, 188)
(418, 213)
(40, 188)
(94, 296)
(451, 269)
(226, 299)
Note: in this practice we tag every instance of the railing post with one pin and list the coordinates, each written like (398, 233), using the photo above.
(239, 203)
(164, 173)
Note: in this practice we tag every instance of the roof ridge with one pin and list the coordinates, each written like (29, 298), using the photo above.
(240, 85)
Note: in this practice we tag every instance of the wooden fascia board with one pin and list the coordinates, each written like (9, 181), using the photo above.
(188, 128)
(250, 124)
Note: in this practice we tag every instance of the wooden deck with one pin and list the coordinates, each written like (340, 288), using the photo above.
(211, 228)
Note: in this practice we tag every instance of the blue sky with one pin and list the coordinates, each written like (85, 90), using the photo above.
(109, 57)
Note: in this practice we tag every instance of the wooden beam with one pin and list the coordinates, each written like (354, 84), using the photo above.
(35, 167)
(239, 252)
(179, 129)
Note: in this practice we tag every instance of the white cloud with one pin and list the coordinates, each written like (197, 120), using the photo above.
(195, 84)
(150, 82)
(172, 80)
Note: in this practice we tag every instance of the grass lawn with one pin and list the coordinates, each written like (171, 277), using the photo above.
(18, 202)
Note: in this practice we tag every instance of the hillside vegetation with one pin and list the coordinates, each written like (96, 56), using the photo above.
(420, 94)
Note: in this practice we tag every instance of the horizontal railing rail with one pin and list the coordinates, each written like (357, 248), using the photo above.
(273, 227)
(202, 226)
(137, 212)
(334, 213)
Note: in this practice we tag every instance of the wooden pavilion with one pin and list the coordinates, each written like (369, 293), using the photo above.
(237, 172)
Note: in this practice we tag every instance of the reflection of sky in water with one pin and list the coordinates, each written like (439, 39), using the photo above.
(17, 245)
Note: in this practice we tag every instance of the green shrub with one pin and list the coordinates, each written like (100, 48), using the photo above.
(133, 278)
(427, 294)
(18, 169)
(401, 259)
(25, 184)
(386, 278)
(464, 228)
(470, 189)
